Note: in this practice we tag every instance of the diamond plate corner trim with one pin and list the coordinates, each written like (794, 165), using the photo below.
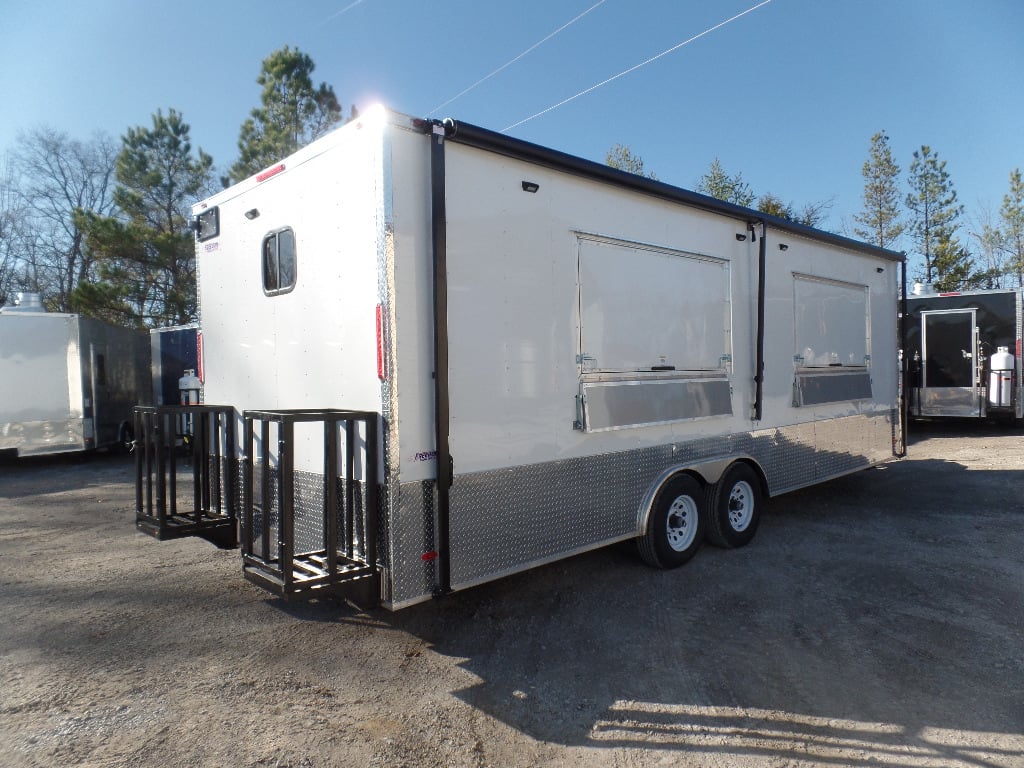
(387, 509)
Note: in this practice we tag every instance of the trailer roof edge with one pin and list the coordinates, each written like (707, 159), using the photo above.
(483, 138)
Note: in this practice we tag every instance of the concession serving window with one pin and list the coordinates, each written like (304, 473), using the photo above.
(832, 341)
(654, 335)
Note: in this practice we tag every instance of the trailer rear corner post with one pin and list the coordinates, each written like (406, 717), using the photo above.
(445, 466)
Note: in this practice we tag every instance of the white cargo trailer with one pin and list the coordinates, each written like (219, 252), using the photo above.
(557, 355)
(69, 382)
(963, 351)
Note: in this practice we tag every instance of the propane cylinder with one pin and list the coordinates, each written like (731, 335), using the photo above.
(188, 387)
(1000, 378)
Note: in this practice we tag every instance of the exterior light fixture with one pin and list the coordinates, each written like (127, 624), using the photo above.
(783, 247)
(252, 213)
(740, 237)
(530, 186)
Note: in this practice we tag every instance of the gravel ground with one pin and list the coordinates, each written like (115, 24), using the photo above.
(876, 620)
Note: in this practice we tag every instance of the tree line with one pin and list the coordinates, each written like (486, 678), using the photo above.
(102, 229)
(926, 221)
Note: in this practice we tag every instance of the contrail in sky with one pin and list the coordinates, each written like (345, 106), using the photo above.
(517, 58)
(346, 9)
(635, 67)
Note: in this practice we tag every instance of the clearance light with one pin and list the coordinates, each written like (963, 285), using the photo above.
(200, 368)
(270, 172)
(382, 368)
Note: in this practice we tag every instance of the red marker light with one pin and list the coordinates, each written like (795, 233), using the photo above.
(270, 172)
(199, 357)
(428, 556)
(382, 368)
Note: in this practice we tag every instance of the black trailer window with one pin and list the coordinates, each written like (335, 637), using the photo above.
(279, 262)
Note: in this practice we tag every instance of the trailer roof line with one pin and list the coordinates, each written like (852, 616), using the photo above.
(483, 138)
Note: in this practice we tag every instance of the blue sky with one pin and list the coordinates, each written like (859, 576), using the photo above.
(788, 95)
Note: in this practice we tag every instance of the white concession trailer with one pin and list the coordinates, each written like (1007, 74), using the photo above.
(454, 355)
(67, 382)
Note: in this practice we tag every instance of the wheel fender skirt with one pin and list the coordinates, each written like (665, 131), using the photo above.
(709, 470)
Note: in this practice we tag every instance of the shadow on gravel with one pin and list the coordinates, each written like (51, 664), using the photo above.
(920, 429)
(20, 476)
(878, 615)
(862, 621)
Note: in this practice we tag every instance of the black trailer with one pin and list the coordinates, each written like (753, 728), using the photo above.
(175, 350)
(963, 352)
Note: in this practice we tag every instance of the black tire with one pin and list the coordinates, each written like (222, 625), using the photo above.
(675, 529)
(733, 508)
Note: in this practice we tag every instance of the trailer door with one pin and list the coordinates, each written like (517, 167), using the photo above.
(949, 373)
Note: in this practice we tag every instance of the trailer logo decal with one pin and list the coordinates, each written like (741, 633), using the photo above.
(214, 246)
(425, 456)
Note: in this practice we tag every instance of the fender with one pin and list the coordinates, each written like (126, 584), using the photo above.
(709, 471)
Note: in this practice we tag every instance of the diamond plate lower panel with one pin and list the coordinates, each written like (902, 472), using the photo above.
(508, 520)
(308, 513)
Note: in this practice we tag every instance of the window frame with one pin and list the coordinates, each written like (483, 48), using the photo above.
(800, 362)
(274, 237)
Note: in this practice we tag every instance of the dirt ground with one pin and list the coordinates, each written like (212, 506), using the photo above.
(876, 620)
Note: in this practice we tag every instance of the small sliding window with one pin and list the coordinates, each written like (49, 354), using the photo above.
(279, 267)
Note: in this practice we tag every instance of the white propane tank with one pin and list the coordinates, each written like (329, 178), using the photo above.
(188, 388)
(1000, 378)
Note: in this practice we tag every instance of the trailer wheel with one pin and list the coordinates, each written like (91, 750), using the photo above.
(125, 438)
(734, 506)
(675, 529)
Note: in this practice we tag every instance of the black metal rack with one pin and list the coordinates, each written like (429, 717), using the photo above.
(311, 531)
(168, 437)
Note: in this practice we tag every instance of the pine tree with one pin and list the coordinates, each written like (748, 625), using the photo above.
(622, 157)
(717, 183)
(811, 215)
(933, 204)
(146, 257)
(292, 113)
(1012, 230)
(880, 220)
